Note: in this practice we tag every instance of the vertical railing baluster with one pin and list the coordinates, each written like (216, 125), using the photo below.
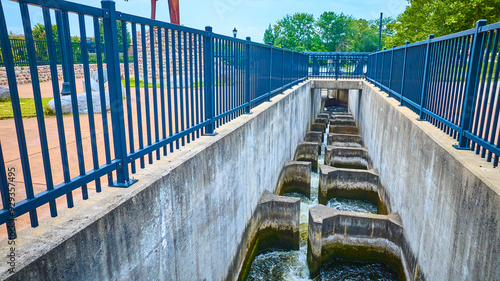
(169, 77)
(424, 90)
(126, 68)
(51, 47)
(270, 70)
(72, 88)
(208, 55)
(392, 67)
(247, 76)
(282, 69)
(153, 86)
(403, 75)
(90, 102)
(471, 86)
(115, 95)
(138, 93)
(162, 87)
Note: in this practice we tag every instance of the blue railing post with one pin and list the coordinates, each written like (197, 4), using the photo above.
(392, 67)
(315, 67)
(247, 77)
(471, 86)
(270, 70)
(403, 75)
(337, 70)
(282, 69)
(208, 55)
(382, 68)
(423, 97)
(115, 93)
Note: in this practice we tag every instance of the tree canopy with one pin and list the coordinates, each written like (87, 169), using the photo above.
(331, 32)
(440, 17)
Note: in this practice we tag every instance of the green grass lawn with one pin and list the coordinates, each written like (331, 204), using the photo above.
(27, 108)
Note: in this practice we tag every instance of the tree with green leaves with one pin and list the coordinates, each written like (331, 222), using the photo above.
(269, 36)
(297, 31)
(336, 31)
(440, 17)
(38, 32)
(330, 33)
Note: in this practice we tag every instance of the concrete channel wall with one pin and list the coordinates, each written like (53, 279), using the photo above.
(187, 218)
(448, 199)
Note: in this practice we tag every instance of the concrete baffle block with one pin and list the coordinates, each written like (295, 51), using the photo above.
(323, 115)
(343, 129)
(347, 183)
(347, 157)
(275, 225)
(341, 234)
(321, 120)
(344, 140)
(318, 127)
(316, 137)
(295, 177)
(307, 151)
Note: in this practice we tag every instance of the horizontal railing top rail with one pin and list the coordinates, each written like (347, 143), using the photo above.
(450, 81)
(188, 83)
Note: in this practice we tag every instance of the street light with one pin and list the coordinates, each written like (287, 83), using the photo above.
(235, 32)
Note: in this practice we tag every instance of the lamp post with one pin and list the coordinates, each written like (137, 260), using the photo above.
(235, 32)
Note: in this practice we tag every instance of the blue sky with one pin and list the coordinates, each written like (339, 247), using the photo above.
(250, 17)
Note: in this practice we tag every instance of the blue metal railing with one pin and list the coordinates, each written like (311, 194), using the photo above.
(189, 83)
(20, 52)
(338, 65)
(450, 81)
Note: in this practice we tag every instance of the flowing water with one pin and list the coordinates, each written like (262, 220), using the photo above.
(292, 265)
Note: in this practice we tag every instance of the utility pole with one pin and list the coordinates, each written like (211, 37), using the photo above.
(380, 32)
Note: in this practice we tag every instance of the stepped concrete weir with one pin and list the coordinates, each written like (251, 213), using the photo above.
(337, 121)
(347, 183)
(322, 120)
(316, 137)
(318, 127)
(343, 129)
(307, 151)
(323, 115)
(344, 140)
(295, 177)
(274, 224)
(347, 157)
(352, 235)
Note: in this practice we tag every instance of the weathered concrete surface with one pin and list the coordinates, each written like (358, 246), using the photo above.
(343, 140)
(343, 129)
(322, 120)
(347, 183)
(318, 127)
(448, 199)
(276, 220)
(316, 137)
(343, 122)
(347, 157)
(334, 233)
(295, 177)
(187, 218)
(324, 115)
(336, 84)
(307, 151)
